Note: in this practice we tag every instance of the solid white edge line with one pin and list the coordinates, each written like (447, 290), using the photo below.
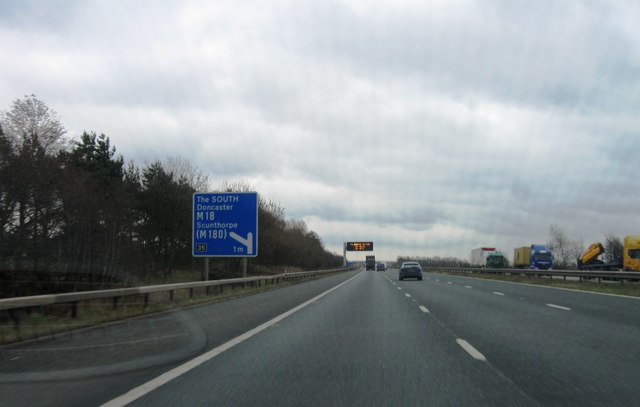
(424, 309)
(471, 350)
(559, 307)
(166, 377)
(498, 293)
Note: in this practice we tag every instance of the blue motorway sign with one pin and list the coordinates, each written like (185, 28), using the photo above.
(225, 224)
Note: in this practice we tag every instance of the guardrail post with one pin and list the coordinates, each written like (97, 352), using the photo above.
(191, 292)
(115, 302)
(13, 314)
(74, 309)
(170, 295)
(146, 300)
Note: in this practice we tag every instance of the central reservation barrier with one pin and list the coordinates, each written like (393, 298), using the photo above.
(580, 274)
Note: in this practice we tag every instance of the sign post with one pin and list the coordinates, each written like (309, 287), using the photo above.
(355, 247)
(225, 224)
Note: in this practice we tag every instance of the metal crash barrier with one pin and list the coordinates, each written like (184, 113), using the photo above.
(13, 306)
(580, 274)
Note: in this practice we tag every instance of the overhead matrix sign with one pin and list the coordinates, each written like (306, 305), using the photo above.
(225, 224)
(359, 246)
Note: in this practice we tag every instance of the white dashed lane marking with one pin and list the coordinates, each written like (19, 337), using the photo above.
(424, 309)
(559, 307)
(471, 350)
(498, 293)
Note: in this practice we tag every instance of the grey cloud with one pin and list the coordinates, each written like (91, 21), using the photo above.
(564, 54)
(434, 130)
(30, 15)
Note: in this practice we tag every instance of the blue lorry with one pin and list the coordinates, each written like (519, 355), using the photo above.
(536, 256)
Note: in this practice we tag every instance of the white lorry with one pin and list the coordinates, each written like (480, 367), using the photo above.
(479, 256)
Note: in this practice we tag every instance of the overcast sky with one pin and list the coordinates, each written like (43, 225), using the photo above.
(428, 127)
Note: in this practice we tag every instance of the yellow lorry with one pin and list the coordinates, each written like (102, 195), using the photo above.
(630, 257)
(631, 260)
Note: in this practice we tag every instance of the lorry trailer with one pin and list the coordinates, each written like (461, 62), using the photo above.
(479, 256)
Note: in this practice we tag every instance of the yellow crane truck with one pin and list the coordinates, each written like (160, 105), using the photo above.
(630, 257)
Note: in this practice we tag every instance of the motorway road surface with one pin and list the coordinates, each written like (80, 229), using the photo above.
(369, 341)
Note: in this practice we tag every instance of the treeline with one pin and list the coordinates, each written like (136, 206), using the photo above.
(435, 261)
(75, 216)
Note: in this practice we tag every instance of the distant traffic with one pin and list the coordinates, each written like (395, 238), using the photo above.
(534, 257)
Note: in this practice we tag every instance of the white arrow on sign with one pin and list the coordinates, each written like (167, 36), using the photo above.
(247, 242)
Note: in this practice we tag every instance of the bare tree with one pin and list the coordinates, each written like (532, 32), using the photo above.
(34, 135)
(7, 197)
(183, 170)
(297, 225)
(558, 245)
(575, 250)
(613, 249)
(31, 121)
(237, 186)
(565, 251)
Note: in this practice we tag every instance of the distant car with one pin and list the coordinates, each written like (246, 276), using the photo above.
(410, 270)
(381, 267)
